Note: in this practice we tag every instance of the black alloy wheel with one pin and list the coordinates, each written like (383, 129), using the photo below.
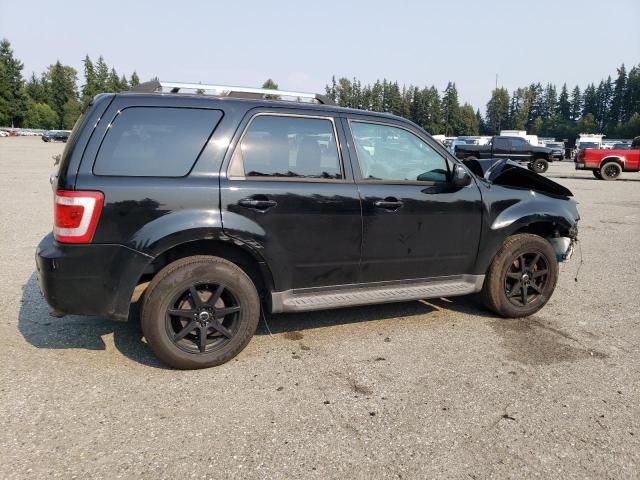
(522, 276)
(203, 318)
(526, 279)
(610, 171)
(540, 165)
(199, 312)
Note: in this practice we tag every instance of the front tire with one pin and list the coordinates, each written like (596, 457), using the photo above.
(610, 171)
(200, 312)
(597, 174)
(522, 276)
(539, 165)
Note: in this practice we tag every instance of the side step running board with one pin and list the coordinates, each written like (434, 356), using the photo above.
(386, 292)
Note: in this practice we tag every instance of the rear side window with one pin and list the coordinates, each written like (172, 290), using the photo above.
(288, 147)
(155, 141)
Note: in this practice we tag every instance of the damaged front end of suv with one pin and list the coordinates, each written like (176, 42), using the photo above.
(518, 200)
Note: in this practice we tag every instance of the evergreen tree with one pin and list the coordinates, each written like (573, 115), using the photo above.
(394, 99)
(617, 101)
(497, 110)
(344, 92)
(62, 83)
(450, 110)
(587, 123)
(271, 85)
(113, 82)
(576, 103)
(590, 101)
(135, 80)
(468, 122)
(631, 101)
(11, 85)
(564, 105)
(36, 90)
(90, 88)
(101, 76)
(377, 97)
(604, 94)
(330, 91)
(482, 127)
(549, 102)
(536, 104)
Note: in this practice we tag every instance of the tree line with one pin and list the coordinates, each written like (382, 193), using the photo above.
(612, 108)
(53, 99)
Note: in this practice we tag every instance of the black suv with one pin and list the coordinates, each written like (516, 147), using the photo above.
(219, 206)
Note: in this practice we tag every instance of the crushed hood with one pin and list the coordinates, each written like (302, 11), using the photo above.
(508, 173)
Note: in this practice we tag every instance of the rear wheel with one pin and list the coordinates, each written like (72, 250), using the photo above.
(539, 165)
(610, 171)
(597, 174)
(200, 312)
(470, 157)
(522, 276)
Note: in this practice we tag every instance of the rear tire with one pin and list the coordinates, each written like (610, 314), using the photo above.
(199, 312)
(610, 171)
(522, 276)
(597, 174)
(539, 165)
(471, 157)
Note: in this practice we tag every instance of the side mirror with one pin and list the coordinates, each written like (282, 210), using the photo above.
(461, 177)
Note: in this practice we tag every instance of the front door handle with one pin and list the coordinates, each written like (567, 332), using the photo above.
(391, 204)
(257, 203)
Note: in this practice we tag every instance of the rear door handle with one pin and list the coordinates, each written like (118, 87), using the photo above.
(257, 204)
(390, 204)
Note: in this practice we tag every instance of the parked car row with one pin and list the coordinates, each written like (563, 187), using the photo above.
(20, 132)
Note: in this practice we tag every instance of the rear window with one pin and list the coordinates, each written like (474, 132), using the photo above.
(155, 141)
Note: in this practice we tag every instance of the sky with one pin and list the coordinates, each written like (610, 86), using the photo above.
(302, 44)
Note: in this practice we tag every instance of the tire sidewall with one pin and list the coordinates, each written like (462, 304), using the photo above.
(497, 296)
(603, 169)
(540, 161)
(179, 280)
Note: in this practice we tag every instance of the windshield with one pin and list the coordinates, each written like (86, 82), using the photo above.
(589, 145)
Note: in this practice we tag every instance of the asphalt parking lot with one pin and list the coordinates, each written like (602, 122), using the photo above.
(427, 389)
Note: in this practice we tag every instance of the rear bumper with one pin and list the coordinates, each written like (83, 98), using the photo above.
(91, 279)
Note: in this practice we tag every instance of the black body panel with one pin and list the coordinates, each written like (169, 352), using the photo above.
(88, 279)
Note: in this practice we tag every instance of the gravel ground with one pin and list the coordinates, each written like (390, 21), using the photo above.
(417, 390)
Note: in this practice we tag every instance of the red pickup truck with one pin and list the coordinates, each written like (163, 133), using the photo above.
(609, 164)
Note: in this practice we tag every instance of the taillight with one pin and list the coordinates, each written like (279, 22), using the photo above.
(75, 215)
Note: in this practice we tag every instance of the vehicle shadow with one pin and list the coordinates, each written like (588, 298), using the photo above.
(80, 332)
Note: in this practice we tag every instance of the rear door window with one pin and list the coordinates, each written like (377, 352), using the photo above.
(287, 146)
(155, 141)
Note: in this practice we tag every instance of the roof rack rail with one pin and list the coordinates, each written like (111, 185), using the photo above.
(230, 91)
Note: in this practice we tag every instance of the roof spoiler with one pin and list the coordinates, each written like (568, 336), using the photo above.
(156, 86)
